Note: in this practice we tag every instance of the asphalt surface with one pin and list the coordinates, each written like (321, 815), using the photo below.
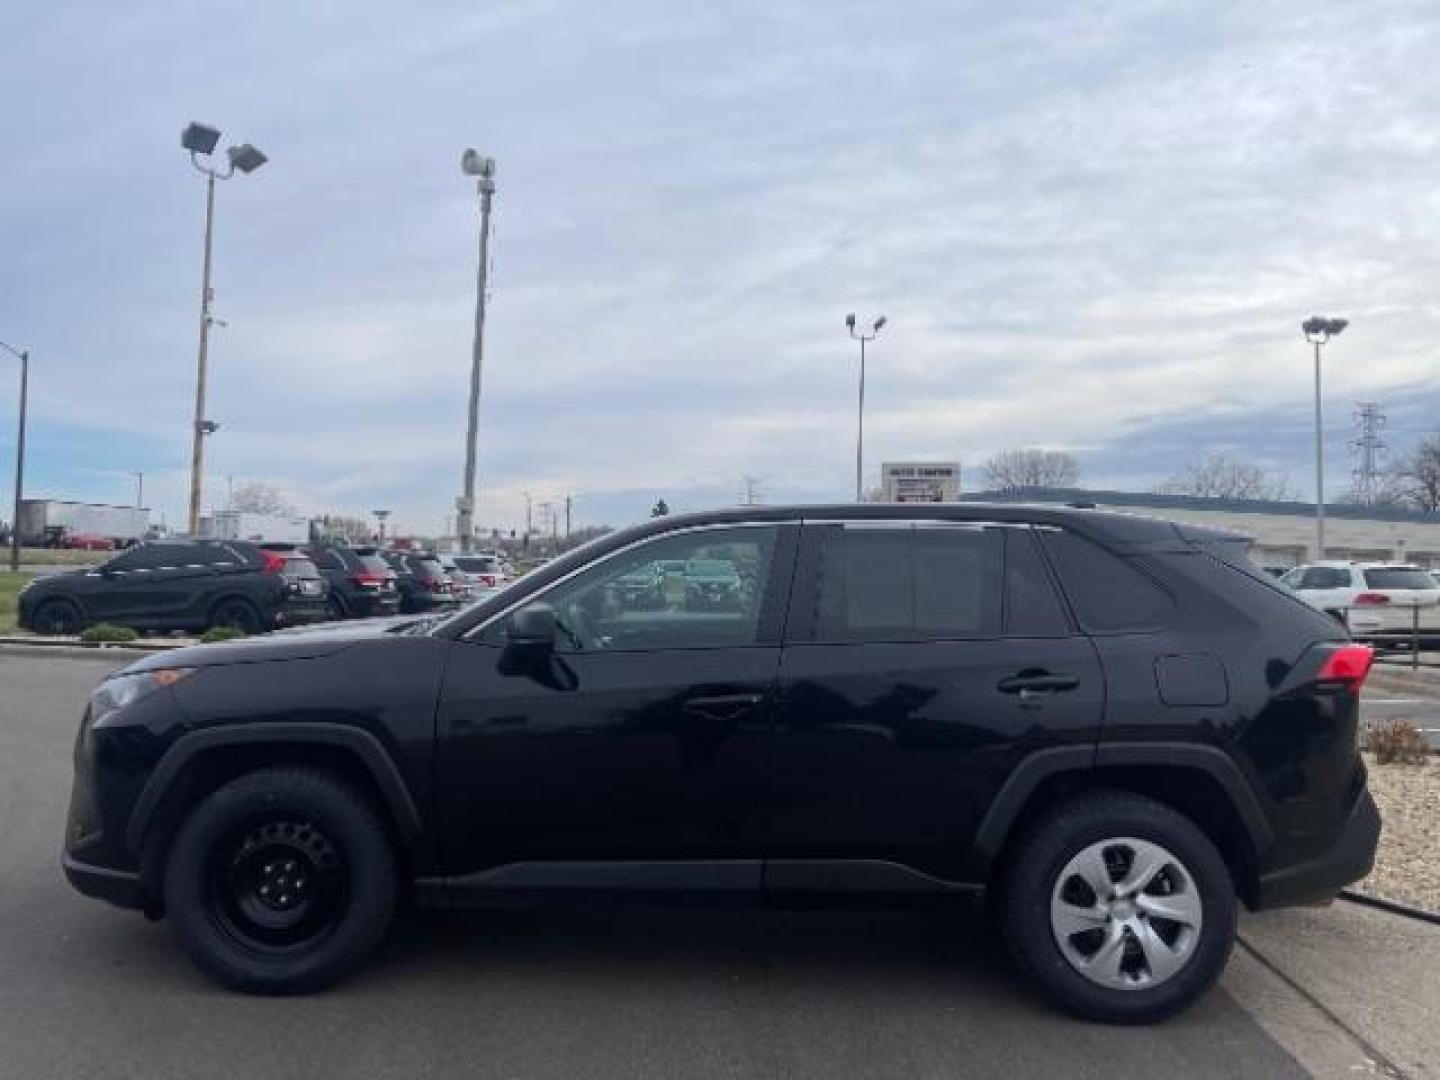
(87, 990)
(1424, 712)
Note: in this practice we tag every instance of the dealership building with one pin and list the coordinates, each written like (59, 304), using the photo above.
(1283, 532)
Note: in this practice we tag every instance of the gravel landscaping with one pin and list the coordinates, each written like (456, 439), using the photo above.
(1407, 866)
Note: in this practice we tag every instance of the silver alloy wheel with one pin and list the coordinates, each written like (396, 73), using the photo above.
(1126, 913)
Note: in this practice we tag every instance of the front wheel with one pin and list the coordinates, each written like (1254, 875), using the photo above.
(1119, 908)
(58, 618)
(282, 881)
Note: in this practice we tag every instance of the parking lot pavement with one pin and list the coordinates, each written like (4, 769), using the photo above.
(87, 990)
(1385, 704)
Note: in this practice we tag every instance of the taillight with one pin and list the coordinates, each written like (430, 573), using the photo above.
(488, 580)
(377, 580)
(273, 563)
(1348, 664)
(1370, 599)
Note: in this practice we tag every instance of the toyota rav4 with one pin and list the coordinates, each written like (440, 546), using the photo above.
(1111, 729)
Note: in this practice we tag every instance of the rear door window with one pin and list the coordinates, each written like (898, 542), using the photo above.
(1032, 607)
(1107, 594)
(905, 584)
(1325, 577)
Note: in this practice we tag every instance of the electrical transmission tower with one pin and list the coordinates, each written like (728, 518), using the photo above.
(1369, 448)
(750, 494)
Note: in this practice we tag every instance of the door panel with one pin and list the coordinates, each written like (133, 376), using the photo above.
(895, 751)
(921, 664)
(640, 756)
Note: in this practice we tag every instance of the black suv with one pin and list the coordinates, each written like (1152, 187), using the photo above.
(362, 584)
(1113, 726)
(180, 585)
(422, 581)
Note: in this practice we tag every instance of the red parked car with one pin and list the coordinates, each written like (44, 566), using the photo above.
(86, 542)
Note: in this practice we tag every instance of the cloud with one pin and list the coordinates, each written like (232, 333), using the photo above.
(1090, 227)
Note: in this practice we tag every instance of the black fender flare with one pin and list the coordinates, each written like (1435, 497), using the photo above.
(1039, 766)
(365, 746)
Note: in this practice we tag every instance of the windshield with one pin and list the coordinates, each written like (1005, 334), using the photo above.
(373, 564)
(298, 566)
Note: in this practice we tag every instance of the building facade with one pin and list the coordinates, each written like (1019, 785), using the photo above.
(1283, 532)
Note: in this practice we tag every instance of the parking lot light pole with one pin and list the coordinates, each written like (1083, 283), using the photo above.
(200, 140)
(24, 357)
(864, 338)
(482, 168)
(1318, 331)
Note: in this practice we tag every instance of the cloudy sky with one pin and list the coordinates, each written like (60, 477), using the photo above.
(1093, 227)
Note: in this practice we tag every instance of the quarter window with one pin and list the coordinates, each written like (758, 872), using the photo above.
(1032, 609)
(907, 584)
(1107, 593)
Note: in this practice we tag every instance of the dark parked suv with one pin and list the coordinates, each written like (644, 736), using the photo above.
(362, 585)
(180, 585)
(422, 581)
(1112, 726)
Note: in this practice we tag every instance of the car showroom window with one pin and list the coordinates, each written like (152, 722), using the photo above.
(1108, 595)
(700, 589)
(907, 584)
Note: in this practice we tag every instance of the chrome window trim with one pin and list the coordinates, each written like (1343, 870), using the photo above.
(537, 597)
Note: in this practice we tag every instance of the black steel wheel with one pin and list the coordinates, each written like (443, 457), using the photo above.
(281, 881)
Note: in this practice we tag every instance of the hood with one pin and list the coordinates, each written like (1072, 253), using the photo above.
(301, 643)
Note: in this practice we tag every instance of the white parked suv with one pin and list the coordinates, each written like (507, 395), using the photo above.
(1375, 599)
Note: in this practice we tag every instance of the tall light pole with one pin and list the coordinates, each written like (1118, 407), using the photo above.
(864, 338)
(482, 168)
(1318, 331)
(24, 357)
(139, 488)
(200, 140)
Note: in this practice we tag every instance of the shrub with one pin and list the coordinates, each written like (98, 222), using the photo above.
(1396, 742)
(221, 633)
(107, 633)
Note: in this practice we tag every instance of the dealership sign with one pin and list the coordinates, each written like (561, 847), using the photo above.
(920, 481)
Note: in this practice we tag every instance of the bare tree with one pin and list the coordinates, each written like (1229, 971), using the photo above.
(258, 498)
(1028, 468)
(1415, 479)
(1220, 476)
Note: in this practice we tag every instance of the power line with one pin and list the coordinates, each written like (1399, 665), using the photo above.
(1368, 448)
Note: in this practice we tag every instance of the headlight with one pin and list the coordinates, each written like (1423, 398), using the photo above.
(124, 690)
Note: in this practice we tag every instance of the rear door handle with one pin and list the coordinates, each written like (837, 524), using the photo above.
(1030, 684)
(723, 706)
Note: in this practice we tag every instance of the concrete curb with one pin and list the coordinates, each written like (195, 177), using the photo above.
(73, 652)
(41, 644)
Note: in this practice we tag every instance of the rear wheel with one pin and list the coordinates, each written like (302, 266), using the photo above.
(282, 881)
(1119, 908)
(57, 617)
(237, 615)
(335, 608)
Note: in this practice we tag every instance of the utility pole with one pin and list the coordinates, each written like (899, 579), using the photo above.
(568, 501)
(139, 488)
(200, 140)
(1369, 447)
(23, 355)
(864, 338)
(529, 516)
(483, 169)
(1318, 331)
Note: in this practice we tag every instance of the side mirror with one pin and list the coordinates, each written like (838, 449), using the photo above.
(532, 627)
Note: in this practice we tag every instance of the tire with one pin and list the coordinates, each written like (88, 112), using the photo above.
(57, 618)
(335, 607)
(237, 614)
(322, 858)
(1133, 966)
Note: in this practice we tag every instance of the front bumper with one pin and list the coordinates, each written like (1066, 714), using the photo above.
(119, 887)
(1350, 858)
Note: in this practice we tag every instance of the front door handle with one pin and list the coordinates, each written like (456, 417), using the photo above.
(723, 706)
(1032, 683)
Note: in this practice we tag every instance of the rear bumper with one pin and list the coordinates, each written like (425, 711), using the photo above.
(1350, 858)
(119, 887)
(298, 612)
(365, 605)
